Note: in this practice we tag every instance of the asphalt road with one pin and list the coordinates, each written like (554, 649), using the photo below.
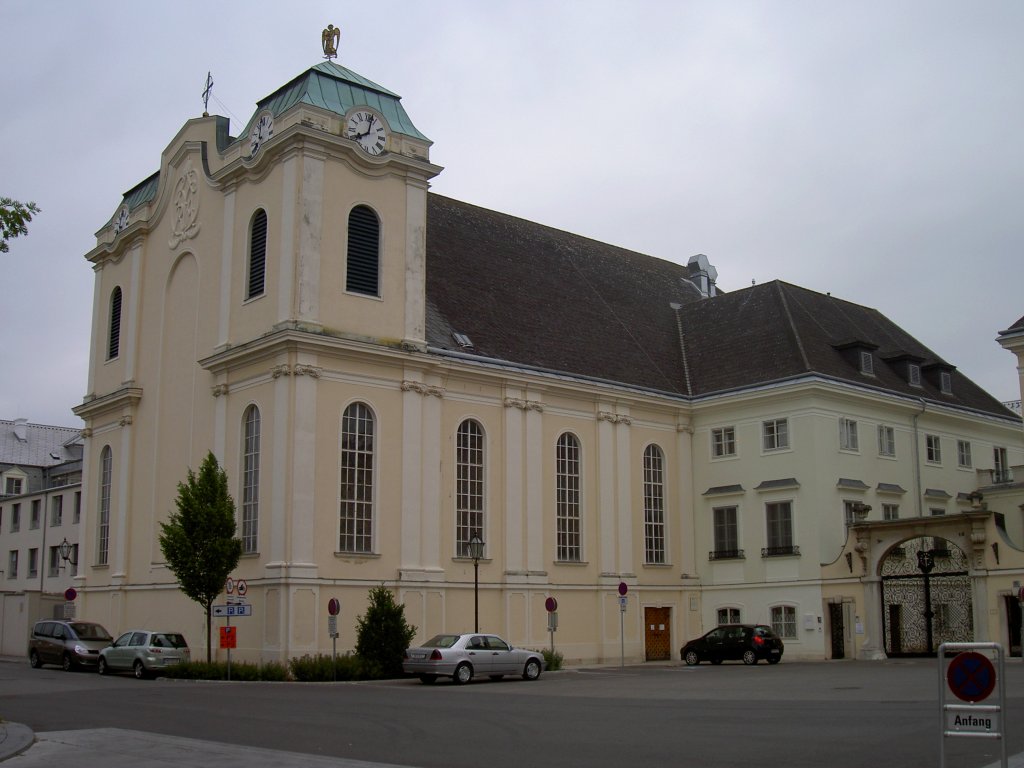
(839, 714)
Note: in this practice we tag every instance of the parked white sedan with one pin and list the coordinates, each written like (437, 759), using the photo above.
(462, 657)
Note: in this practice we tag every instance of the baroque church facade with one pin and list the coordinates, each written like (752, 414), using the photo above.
(386, 374)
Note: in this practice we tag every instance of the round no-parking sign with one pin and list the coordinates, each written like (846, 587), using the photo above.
(971, 676)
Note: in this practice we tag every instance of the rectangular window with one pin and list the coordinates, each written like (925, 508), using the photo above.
(12, 486)
(569, 547)
(1001, 473)
(54, 566)
(654, 506)
(723, 442)
(726, 534)
(469, 486)
(946, 383)
(251, 480)
(33, 563)
(775, 434)
(779, 519)
(933, 448)
(103, 521)
(867, 363)
(784, 621)
(849, 513)
(728, 615)
(33, 521)
(936, 511)
(12, 564)
(15, 518)
(56, 511)
(848, 435)
(914, 375)
(963, 454)
(890, 511)
(76, 513)
(358, 428)
(73, 562)
(886, 441)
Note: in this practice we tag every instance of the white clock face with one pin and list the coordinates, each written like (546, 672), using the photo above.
(368, 130)
(122, 219)
(261, 132)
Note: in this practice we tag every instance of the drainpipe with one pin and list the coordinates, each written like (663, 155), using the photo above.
(917, 459)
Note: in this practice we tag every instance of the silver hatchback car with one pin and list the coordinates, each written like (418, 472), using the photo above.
(144, 652)
(461, 657)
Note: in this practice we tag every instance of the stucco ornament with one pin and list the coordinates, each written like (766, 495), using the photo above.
(186, 207)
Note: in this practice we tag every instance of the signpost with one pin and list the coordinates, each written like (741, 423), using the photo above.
(333, 609)
(236, 606)
(551, 606)
(623, 589)
(971, 677)
(69, 602)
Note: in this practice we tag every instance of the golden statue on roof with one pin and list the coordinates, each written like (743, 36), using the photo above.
(330, 38)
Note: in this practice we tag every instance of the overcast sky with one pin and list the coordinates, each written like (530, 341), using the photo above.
(870, 149)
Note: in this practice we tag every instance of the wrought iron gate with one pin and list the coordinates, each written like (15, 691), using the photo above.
(926, 597)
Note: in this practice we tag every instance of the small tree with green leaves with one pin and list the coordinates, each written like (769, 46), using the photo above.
(14, 217)
(383, 634)
(198, 541)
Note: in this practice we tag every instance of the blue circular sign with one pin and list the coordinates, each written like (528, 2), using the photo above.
(971, 677)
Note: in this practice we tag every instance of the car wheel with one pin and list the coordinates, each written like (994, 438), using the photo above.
(749, 657)
(463, 674)
(101, 666)
(691, 658)
(139, 670)
(532, 670)
(33, 660)
(66, 663)
(428, 679)
(774, 659)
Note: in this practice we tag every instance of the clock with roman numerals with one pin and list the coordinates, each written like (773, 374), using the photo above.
(368, 130)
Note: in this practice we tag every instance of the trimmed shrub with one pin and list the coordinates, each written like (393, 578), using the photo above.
(218, 670)
(324, 668)
(382, 635)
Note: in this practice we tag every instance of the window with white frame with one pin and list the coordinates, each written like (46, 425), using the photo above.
(13, 486)
(357, 480)
(252, 427)
(56, 511)
(775, 434)
(886, 440)
(963, 454)
(15, 518)
(103, 517)
(946, 382)
(469, 485)
(12, 564)
(54, 567)
(1001, 473)
(850, 512)
(728, 615)
(933, 448)
(568, 540)
(867, 363)
(890, 511)
(723, 442)
(654, 505)
(848, 435)
(36, 514)
(914, 374)
(726, 533)
(783, 621)
(33, 563)
(779, 520)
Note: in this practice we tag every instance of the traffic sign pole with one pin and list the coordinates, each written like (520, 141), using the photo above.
(971, 677)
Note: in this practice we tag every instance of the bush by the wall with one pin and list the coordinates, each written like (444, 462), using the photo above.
(552, 659)
(218, 670)
(324, 668)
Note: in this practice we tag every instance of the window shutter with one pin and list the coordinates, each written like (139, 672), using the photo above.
(362, 273)
(257, 254)
(114, 342)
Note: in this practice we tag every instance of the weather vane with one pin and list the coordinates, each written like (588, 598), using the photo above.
(206, 94)
(329, 39)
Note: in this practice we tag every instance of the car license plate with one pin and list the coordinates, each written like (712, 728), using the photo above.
(775, 650)
(419, 655)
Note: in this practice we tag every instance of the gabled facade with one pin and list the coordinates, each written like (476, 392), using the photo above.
(386, 374)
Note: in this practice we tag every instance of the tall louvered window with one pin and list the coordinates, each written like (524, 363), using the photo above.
(257, 254)
(654, 505)
(362, 274)
(569, 546)
(356, 513)
(114, 337)
(469, 485)
(251, 481)
(103, 529)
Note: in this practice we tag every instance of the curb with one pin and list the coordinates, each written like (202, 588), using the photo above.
(15, 738)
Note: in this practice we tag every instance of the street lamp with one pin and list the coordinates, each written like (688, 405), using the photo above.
(64, 549)
(476, 551)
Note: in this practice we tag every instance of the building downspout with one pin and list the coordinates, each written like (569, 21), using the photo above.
(917, 460)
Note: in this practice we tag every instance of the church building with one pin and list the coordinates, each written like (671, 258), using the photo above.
(392, 378)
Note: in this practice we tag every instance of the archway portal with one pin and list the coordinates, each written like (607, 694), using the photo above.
(926, 597)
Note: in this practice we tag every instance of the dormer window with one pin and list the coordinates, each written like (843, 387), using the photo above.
(462, 340)
(914, 375)
(867, 363)
(946, 382)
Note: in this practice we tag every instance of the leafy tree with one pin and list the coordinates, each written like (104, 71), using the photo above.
(198, 541)
(14, 217)
(383, 634)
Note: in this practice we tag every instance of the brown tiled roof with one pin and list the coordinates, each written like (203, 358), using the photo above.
(530, 295)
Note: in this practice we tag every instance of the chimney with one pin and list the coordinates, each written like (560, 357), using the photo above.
(21, 430)
(702, 275)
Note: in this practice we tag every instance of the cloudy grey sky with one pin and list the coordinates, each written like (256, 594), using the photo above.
(870, 149)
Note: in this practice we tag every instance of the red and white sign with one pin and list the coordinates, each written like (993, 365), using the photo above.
(242, 587)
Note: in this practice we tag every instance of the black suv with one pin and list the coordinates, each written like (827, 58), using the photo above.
(748, 643)
(67, 643)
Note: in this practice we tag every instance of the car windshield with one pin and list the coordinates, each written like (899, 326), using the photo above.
(169, 640)
(441, 641)
(90, 631)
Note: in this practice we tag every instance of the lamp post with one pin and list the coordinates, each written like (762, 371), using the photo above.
(64, 549)
(926, 562)
(476, 551)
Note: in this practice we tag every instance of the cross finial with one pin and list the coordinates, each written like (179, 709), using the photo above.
(206, 94)
(329, 39)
